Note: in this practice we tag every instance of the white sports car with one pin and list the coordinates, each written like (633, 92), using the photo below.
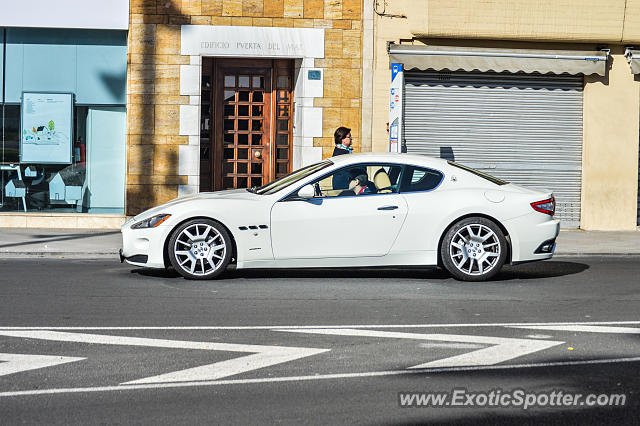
(351, 211)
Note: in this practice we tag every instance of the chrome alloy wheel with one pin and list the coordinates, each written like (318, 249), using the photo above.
(200, 249)
(475, 249)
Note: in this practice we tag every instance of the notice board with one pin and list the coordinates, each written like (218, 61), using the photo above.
(47, 120)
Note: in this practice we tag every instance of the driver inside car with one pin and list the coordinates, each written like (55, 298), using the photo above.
(360, 185)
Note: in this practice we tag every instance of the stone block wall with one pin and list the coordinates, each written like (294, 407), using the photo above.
(153, 78)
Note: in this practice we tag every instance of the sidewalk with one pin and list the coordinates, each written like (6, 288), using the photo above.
(20, 242)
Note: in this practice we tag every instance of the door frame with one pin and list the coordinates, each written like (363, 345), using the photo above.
(216, 158)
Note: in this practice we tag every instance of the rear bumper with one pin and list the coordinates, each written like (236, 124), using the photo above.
(533, 237)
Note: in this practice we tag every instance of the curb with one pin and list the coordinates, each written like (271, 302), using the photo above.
(31, 254)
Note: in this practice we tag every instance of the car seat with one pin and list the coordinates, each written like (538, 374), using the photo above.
(382, 182)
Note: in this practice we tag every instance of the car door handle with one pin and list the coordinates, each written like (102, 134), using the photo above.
(388, 208)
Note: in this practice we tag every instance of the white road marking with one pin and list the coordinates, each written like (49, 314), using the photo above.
(504, 349)
(538, 336)
(16, 363)
(271, 327)
(263, 356)
(120, 388)
(583, 328)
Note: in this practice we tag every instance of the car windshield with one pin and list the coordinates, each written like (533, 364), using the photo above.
(291, 178)
(479, 173)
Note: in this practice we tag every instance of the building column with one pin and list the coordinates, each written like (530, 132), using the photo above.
(610, 150)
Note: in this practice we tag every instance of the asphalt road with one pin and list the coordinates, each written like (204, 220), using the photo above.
(96, 342)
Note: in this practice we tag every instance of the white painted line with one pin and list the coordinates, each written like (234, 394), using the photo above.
(264, 355)
(120, 388)
(232, 367)
(504, 349)
(16, 363)
(583, 328)
(272, 327)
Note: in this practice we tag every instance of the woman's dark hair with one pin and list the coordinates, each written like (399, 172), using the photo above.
(340, 133)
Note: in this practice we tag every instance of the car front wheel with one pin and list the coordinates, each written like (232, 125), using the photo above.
(474, 249)
(200, 249)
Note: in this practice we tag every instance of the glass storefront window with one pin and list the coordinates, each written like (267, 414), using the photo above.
(93, 181)
(91, 66)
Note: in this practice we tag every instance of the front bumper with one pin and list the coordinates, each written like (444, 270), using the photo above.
(144, 247)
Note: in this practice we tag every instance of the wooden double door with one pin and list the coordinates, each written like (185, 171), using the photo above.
(246, 122)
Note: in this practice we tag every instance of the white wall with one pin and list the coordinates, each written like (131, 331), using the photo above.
(86, 14)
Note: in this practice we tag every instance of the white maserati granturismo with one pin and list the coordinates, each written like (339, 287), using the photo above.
(355, 210)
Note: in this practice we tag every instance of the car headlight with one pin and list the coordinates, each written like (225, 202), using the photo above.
(151, 222)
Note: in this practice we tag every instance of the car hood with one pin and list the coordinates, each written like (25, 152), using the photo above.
(233, 194)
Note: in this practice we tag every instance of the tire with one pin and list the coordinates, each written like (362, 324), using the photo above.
(200, 249)
(474, 249)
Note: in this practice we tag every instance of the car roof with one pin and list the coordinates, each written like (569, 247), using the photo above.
(391, 157)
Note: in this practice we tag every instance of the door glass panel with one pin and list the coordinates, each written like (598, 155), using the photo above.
(229, 95)
(256, 110)
(229, 110)
(283, 111)
(256, 139)
(282, 140)
(256, 181)
(243, 110)
(242, 182)
(243, 124)
(228, 167)
(228, 125)
(243, 139)
(243, 96)
(229, 81)
(282, 153)
(283, 82)
(243, 153)
(256, 125)
(258, 82)
(283, 168)
(283, 125)
(258, 97)
(242, 168)
(256, 168)
(228, 153)
(228, 183)
(283, 96)
(228, 138)
(243, 81)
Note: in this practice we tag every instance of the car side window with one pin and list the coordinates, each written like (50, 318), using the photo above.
(420, 179)
(360, 179)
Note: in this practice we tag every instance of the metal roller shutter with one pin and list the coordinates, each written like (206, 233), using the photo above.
(523, 128)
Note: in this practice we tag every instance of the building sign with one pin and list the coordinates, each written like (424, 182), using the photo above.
(265, 42)
(46, 128)
(395, 108)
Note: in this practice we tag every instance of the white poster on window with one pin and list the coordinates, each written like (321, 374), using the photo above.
(46, 128)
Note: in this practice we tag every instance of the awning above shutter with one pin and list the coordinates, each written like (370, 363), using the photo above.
(491, 59)
(633, 57)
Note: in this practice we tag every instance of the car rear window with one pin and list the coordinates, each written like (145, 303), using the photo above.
(479, 173)
(417, 179)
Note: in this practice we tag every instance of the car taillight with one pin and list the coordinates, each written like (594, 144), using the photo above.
(547, 206)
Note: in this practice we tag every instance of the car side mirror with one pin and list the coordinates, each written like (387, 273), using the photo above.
(306, 192)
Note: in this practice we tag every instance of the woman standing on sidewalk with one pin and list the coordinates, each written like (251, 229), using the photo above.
(342, 137)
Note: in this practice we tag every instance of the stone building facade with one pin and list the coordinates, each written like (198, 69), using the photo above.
(200, 72)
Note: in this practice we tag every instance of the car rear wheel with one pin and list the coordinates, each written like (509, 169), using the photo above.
(200, 249)
(474, 249)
